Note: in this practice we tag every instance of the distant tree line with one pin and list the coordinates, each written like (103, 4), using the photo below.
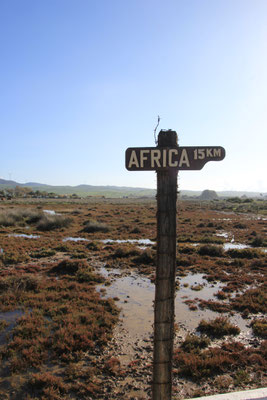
(27, 192)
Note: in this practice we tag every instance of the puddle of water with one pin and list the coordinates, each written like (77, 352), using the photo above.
(137, 294)
(206, 293)
(146, 242)
(73, 239)
(222, 234)
(51, 212)
(240, 246)
(23, 235)
(231, 245)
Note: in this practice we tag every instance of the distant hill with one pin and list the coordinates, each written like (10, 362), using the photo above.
(114, 191)
(208, 195)
(83, 190)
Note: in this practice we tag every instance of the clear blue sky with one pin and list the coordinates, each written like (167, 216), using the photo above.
(82, 80)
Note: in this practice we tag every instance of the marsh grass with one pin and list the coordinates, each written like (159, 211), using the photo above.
(218, 327)
(3, 325)
(146, 257)
(252, 300)
(19, 216)
(194, 343)
(216, 361)
(26, 216)
(95, 226)
(259, 327)
(29, 282)
(68, 318)
(211, 251)
(73, 323)
(51, 222)
(243, 253)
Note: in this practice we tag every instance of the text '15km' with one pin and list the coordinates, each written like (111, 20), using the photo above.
(180, 158)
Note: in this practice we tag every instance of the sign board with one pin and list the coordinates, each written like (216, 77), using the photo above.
(179, 158)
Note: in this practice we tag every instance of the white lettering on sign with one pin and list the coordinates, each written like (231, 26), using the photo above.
(200, 154)
(143, 157)
(133, 162)
(184, 159)
(155, 157)
(164, 158)
(158, 158)
(217, 153)
(171, 162)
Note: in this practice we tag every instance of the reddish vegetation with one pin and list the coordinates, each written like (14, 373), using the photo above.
(53, 347)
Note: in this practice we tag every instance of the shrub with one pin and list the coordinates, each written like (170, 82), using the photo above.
(24, 283)
(258, 242)
(67, 267)
(259, 327)
(221, 295)
(19, 216)
(121, 252)
(239, 225)
(187, 250)
(87, 275)
(194, 343)
(3, 325)
(135, 230)
(43, 253)
(218, 327)
(209, 363)
(95, 226)
(242, 253)
(51, 222)
(93, 246)
(253, 300)
(112, 366)
(212, 251)
(241, 377)
(144, 258)
(43, 381)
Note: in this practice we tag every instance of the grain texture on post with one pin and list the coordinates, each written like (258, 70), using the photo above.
(165, 275)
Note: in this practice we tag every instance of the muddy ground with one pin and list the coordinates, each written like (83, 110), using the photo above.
(77, 290)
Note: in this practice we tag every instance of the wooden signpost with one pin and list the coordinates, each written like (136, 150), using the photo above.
(166, 159)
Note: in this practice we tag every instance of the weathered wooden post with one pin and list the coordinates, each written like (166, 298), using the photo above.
(167, 158)
(165, 274)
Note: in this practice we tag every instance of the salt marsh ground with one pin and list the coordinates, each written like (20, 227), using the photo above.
(77, 290)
